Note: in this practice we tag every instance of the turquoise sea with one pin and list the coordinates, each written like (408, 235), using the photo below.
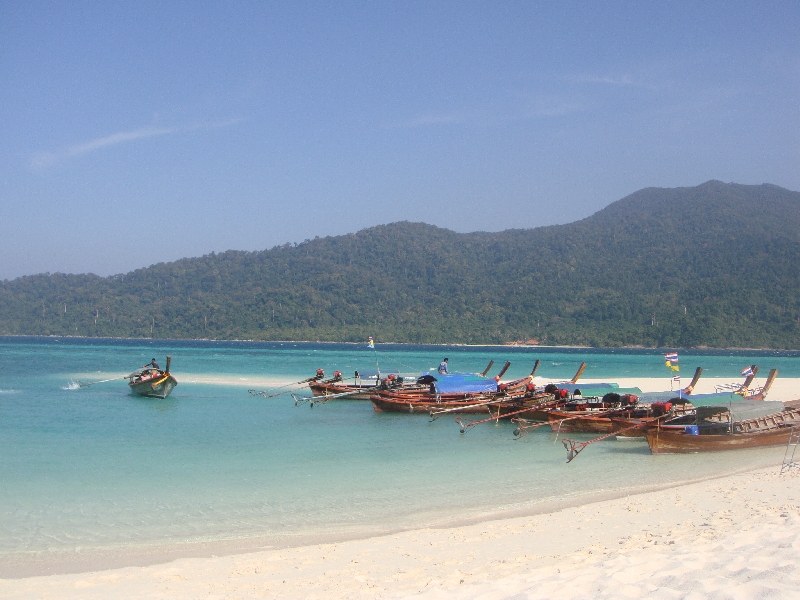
(94, 476)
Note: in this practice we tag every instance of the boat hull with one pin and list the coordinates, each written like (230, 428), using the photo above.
(663, 441)
(157, 387)
(570, 423)
(417, 405)
(329, 389)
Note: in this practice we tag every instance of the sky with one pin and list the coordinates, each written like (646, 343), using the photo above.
(133, 133)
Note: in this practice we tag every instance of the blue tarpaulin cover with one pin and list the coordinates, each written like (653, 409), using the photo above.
(463, 383)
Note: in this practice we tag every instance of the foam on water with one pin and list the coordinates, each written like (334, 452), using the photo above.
(102, 469)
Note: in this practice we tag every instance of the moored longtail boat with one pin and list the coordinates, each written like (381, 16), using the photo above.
(443, 391)
(727, 428)
(152, 382)
(362, 386)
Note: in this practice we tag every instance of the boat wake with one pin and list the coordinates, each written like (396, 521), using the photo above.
(72, 385)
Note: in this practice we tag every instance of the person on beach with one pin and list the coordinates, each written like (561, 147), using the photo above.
(443, 367)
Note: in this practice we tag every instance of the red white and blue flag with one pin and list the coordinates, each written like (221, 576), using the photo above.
(747, 371)
(672, 357)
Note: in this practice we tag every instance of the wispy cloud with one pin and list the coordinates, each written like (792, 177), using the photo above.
(515, 108)
(619, 81)
(46, 159)
(444, 118)
(651, 76)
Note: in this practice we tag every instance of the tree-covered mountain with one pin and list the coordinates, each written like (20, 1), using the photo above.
(714, 265)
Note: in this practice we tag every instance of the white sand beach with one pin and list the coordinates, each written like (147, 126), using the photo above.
(732, 537)
(736, 536)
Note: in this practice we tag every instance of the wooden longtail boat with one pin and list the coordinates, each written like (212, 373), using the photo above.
(365, 385)
(472, 404)
(627, 427)
(769, 430)
(360, 389)
(152, 382)
(467, 393)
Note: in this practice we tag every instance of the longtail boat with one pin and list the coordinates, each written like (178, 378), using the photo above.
(152, 382)
(709, 434)
(361, 387)
(366, 384)
(468, 392)
(519, 397)
(593, 415)
(686, 401)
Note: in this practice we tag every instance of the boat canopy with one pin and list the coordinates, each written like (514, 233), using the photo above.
(741, 410)
(457, 383)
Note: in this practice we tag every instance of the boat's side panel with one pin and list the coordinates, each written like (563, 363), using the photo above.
(628, 427)
(669, 442)
(163, 387)
(326, 389)
(383, 404)
(564, 423)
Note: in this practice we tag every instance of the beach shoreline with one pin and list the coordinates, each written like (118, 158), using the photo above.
(742, 528)
(82, 560)
(507, 345)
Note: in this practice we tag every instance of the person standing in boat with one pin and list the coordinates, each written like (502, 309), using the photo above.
(152, 365)
(443, 367)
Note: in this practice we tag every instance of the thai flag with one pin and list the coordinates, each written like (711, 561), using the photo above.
(672, 357)
(677, 379)
(747, 371)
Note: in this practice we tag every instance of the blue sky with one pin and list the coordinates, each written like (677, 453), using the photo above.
(136, 133)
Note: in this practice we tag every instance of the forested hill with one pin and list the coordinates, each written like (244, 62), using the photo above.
(714, 265)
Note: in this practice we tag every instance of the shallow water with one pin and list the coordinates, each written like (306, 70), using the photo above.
(97, 469)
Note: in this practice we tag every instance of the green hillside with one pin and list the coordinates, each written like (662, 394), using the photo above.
(714, 265)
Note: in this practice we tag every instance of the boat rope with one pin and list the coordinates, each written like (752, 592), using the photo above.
(270, 394)
(438, 412)
(574, 448)
(298, 399)
(102, 381)
(465, 425)
(525, 426)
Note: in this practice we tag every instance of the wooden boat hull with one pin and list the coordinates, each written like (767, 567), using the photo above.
(567, 423)
(632, 428)
(415, 405)
(157, 387)
(585, 422)
(663, 441)
(330, 389)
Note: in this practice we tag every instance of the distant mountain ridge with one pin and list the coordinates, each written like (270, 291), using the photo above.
(714, 265)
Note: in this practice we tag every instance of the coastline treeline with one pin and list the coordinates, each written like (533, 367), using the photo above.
(709, 266)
